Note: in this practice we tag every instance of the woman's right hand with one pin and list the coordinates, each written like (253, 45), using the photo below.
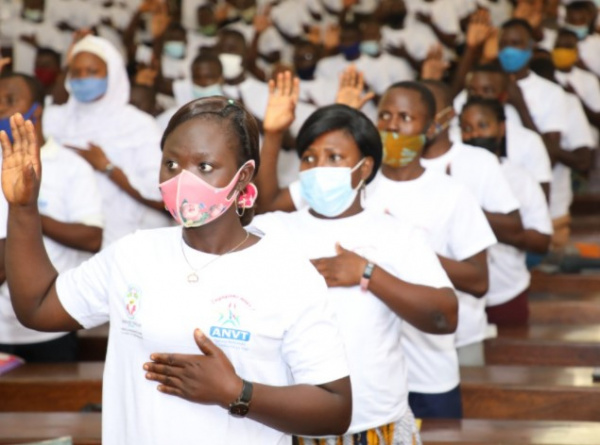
(21, 165)
(281, 108)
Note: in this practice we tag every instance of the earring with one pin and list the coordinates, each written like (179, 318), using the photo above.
(239, 202)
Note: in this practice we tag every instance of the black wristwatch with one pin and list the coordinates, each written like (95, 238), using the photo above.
(241, 406)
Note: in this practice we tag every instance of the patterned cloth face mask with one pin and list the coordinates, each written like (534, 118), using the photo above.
(399, 150)
(192, 202)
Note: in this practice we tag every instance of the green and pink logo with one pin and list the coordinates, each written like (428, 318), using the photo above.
(132, 302)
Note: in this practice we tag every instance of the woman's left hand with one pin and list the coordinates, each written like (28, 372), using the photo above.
(94, 155)
(343, 270)
(208, 379)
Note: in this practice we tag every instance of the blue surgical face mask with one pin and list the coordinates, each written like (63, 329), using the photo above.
(328, 190)
(211, 90)
(514, 59)
(370, 48)
(88, 89)
(351, 52)
(174, 49)
(5, 123)
(581, 31)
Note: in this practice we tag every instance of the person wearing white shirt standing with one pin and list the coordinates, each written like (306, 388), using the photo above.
(375, 285)
(483, 124)
(480, 172)
(71, 210)
(200, 355)
(446, 211)
(540, 103)
(119, 141)
(577, 143)
(581, 82)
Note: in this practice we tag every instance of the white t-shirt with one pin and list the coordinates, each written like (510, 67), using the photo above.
(456, 228)
(585, 84)
(69, 194)
(371, 331)
(508, 272)
(264, 306)
(589, 48)
(578, 135)
(546, 103)
(480, 172)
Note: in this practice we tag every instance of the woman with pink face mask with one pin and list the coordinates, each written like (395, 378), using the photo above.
(216, 335)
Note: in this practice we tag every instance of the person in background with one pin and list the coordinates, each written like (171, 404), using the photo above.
(71, 220)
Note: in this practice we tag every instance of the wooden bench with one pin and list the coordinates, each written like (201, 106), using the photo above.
(51, 387)
(545, 345)
(509, 432)
(566, 308)
(93, 344)
(84, 428)
(530, 393)
(543, 282)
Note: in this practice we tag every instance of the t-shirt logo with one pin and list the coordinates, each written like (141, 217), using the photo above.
(229, 312)
(132, 302)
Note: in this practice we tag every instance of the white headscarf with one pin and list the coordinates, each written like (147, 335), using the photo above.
(129, 137)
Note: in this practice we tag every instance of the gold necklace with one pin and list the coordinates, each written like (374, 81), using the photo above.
(193, 276)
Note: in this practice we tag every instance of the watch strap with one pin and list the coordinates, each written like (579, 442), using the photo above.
(242, 403)
(366, 276)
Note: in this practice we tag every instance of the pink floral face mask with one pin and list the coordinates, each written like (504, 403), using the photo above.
(192, 202)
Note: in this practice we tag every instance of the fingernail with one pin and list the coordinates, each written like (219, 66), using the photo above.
(199, 332)
(153, 357)
(146, 367)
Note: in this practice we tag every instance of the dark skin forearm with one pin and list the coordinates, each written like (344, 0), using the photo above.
(74, 235)
(270, 196)
(120, 179)
(469, 275)
(31, 275)
(465, 63)
(507, 227)
(316, 410)
(428, 309)
(580, 159)
(536, 242)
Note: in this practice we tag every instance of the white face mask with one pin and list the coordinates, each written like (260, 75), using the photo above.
(232, 65)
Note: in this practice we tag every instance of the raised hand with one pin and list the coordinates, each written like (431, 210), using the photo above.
(491, 46)
(94, 155)
(351, 89)
(434, 66)
(209, 379)
(479, 29)
(21, 165)
(343, 270)
(3, 62)
(281, 108)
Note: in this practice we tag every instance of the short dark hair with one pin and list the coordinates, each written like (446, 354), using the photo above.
(208, 58)
(347, 119)
(33, 85)
(493, 105)
(492, 67)
(567, 32)
(233, 33)
(442, 87)
(579, 5)
(240, 122)
(543, 67)
(426, 96)
(43, 51)
(519, 22)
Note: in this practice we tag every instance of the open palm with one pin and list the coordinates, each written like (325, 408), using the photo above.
(281, 108)
(21, 166)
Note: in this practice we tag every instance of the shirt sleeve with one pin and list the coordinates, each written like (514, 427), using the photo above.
(498, 196)
(536, 214)
(313, 346)
(84, 290)
(3, 216)
(539, 162)
(84, 200)
(468, 231)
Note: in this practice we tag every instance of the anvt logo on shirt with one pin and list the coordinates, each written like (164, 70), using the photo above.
(229, 322)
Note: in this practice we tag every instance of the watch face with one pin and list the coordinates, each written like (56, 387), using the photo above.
(239, 410)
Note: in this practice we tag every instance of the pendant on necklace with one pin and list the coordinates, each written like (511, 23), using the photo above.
(193, 278)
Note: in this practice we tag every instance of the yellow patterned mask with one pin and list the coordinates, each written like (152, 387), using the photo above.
(400, 150)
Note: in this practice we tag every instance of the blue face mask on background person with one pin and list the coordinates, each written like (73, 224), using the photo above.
(328, 190)
(174, 49)
(581, 31)
(5, 123)
(211, 90)
(88, 89)
(514, 59)
(369, 47)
